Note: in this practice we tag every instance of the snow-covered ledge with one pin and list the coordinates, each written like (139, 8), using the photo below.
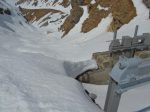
(73, 69)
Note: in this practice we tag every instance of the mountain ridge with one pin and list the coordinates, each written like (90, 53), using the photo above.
(122, 12)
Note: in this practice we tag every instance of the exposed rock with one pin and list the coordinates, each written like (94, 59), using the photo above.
(105, 3)
(99, 76)
(75, 3)
(147, 3)
(35, 14)
(20, 2)
(55, 1)
(85, 2)
(114, 25)
(44, 24)
(1, 11)
(95, 17)
(35, 3)
(65, 3)
(5, 11)
(80, 2)
(74, 17)
(123, 11)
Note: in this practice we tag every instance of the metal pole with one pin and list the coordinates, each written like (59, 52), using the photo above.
(108, 95)
(136, 30)
(113, 98)
(149, 13)
(115, 35)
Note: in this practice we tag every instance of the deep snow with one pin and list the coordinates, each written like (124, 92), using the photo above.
(33, 80)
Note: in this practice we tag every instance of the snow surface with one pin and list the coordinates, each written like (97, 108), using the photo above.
(102, 8)
(30, 80)
(131, 101)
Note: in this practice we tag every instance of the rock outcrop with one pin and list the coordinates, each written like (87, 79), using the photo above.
(122, 11)
(65, 3)
(32, 15)
(74, 17)
(5, 11)
(95, 17)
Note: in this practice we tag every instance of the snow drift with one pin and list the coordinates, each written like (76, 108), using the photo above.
(33, 81)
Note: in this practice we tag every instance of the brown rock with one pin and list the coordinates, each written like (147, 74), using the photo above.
(35, 14)
(123, 11)
(95, 17)
(105, 3)
(99, 76)
(74, 17)
(65, 3)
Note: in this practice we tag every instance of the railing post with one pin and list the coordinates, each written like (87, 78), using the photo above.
(113, 98)
(149, 13)
(136, 30)
(115, 35)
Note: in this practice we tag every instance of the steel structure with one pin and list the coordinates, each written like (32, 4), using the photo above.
(128, 43)
(128, 73)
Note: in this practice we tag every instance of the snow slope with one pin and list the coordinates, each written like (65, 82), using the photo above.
(51, 22)
(31, 81)
(133, 100)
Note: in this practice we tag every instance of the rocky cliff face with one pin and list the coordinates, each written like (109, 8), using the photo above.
(45, 14)
(95, 16)
(35, 14)
(122, 11)
(74, 17)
